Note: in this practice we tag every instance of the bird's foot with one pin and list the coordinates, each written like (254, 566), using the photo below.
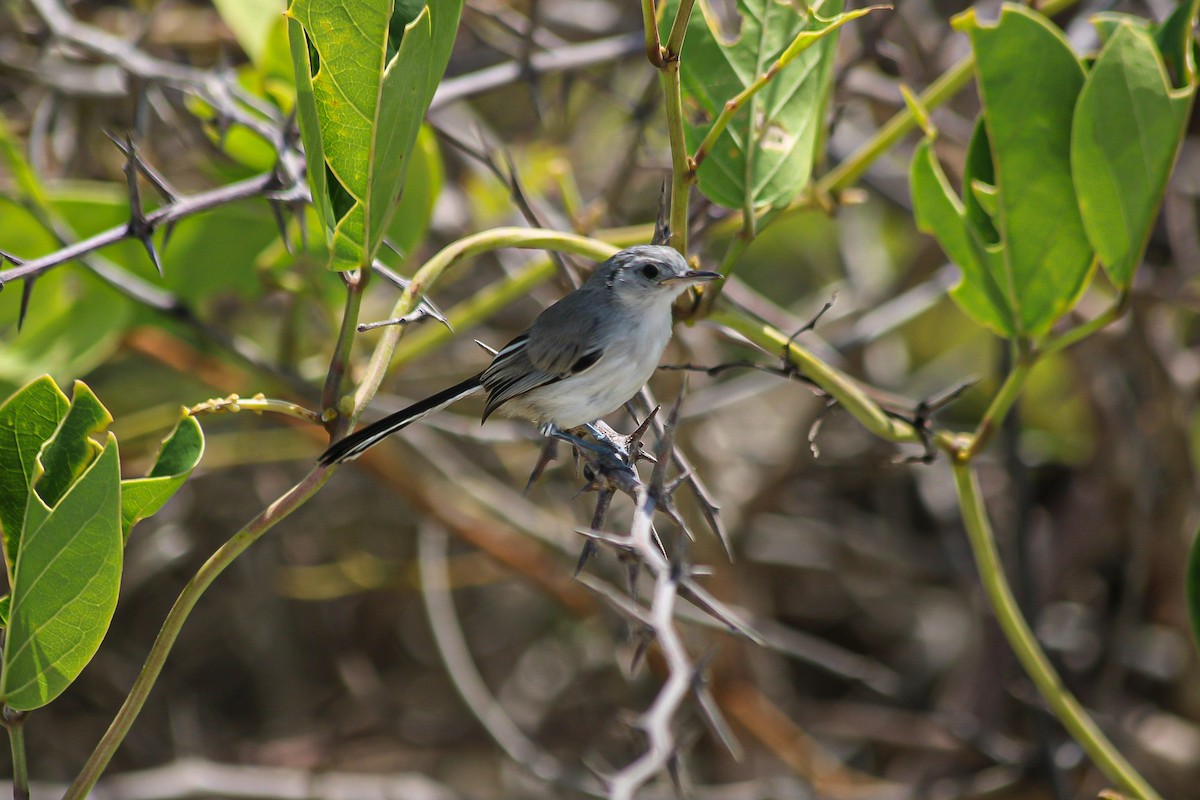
(607, 452)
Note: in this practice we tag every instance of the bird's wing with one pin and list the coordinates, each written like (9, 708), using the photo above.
(559, 344)
(563, 339)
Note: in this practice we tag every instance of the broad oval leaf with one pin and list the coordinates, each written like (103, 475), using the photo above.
(1127, 128)
(1020, 194)
(64, 585)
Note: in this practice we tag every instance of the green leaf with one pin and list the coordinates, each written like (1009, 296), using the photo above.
(1177, 44)
(251, 21)
(361, 96)
(765, 156)
(27, 420)
(70, 326)
(1020, 193)
(64, 585)
(939, 211)
(179, 455)
(71, 450)
(1127, 128)
(66, 333)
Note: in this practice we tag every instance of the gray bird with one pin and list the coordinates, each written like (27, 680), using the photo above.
(582, 358)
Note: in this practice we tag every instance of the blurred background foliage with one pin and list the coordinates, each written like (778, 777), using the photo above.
(315, 653)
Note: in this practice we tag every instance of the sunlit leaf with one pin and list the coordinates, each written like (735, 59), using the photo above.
(27, 420)
(179, 455)
(365, 74)
(1016, 233)
(65, 585)
(251, 22)
(1127, 128)
(766, 154)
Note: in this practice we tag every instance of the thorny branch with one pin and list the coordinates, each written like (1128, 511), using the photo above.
(673, 576)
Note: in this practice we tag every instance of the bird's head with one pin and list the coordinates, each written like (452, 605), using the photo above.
(649, 274)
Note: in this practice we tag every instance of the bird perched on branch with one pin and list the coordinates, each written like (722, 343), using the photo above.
(581, 359)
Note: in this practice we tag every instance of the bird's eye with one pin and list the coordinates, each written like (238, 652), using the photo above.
(650, 271)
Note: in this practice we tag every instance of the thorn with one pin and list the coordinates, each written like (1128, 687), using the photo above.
(666, 442)
(662, 225)
(808, 326)
(676, 773)
(400, 282)
(390, 245)
(168, 229)
(299, 210)
(632, 570)
(603, 499)
(148, 243)
(634, 445)
(549, 453)
(590, 548)
(675, 483)
(711, 711)
(138, 227)
(290, 129)
(26, 296)
(281, 223)
(410, 319)
(644, 638)
(129, 150)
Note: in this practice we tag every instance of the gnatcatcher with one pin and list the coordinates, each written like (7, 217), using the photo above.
(582, 358)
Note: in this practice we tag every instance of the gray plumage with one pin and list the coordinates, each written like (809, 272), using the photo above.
(582, 358)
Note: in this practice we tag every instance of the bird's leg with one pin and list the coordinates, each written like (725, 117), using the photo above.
(606, 451)
(554, 432)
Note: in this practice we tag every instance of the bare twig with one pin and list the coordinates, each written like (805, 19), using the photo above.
(455, 654)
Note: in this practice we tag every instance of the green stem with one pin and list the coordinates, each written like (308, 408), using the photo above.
(356, 282)
(948, 84)
(681, 170)
(428, 274)
(838, 385)
(1026, 359)
(710, 293)
(654, 49)
(1081, 332)
(258, 404)
(1010, 390)
(679, 29)
(480, 306)
(1037, 666)
(195, 588)
(14, 721)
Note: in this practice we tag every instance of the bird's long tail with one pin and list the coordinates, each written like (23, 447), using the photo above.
(353, 445)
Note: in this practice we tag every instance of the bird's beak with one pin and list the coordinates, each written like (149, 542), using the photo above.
(694, 276)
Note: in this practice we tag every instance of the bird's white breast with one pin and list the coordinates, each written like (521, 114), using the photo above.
(629, 360)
